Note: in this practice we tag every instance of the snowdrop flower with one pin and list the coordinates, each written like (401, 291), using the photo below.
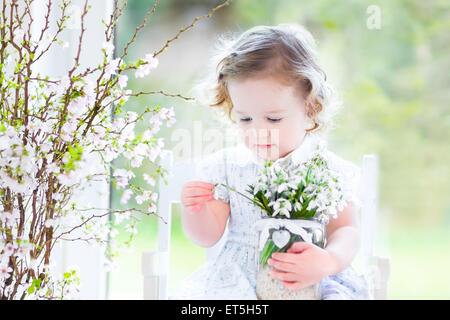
(298, 204)
(281, 206)
(282, 187)
(322, 188)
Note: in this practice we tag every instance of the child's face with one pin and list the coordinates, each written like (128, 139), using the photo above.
(270, 115)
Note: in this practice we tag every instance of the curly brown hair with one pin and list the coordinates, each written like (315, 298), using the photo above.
(286, 51)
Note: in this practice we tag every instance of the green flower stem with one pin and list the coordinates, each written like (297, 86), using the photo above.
(267, 251)
(232, 189)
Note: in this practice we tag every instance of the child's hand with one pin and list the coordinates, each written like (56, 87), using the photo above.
(195, 194)
(303, 265)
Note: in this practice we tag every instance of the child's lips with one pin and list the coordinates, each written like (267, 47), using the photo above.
(264, 145)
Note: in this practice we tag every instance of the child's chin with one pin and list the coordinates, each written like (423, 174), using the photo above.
(268, 153)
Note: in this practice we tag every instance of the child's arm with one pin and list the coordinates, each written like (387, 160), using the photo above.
(204, 218)
(343, 238)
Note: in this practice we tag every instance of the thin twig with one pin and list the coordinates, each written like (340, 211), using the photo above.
(190, 26)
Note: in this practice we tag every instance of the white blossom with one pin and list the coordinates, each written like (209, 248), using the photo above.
(122, 177)
(9, 249)
(122, 81)
(122, 216)
(150, 63)
(131, 228)
(149, 179)
(108, 46)
(5, 271)
(23, 250)
(112, 67)
(168, 115)
(152, 208)
(126, 195)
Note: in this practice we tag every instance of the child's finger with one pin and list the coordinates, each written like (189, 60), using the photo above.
(299, 246)
(284, 257)
(282, 266)
(283, 276)
(199, 184)
(198, 193)
(192, 193)
(194, 200)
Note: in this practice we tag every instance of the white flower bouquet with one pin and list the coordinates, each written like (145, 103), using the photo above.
(297, 201)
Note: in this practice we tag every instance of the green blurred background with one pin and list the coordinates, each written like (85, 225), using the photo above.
(394, 82)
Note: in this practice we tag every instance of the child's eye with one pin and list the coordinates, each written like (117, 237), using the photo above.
(274, 120)
(246, 119)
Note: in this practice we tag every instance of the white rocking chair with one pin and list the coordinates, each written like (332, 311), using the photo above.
(155, 264)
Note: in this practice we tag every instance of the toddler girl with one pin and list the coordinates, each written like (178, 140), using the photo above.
(270, 86)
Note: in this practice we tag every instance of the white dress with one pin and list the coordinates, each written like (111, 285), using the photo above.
(232, 275)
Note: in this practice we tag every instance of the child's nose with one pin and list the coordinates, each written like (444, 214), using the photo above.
(259, 132)
(263, 133)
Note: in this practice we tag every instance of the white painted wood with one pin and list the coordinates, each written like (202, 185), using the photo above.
(87, 258)
(155, 266)
(383, 268)
(369, 197)
(375, 268)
